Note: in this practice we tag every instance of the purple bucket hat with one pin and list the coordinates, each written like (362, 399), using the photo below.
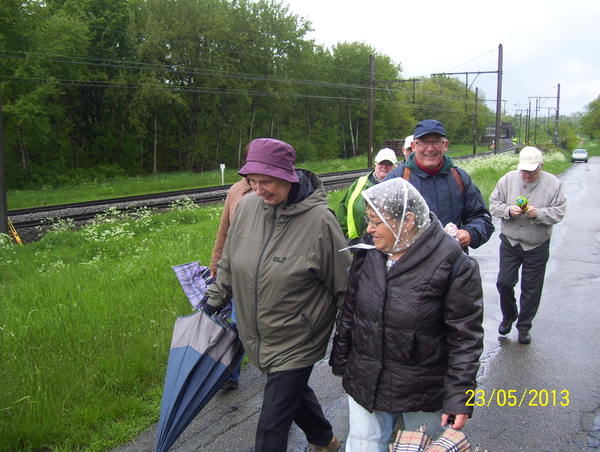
(270, 157)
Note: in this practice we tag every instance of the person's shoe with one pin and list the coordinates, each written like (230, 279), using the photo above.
(333, 446)
(505, 327)
(524, 337)
(229, 385)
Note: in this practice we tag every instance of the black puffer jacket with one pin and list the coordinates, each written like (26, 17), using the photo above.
(405, 341)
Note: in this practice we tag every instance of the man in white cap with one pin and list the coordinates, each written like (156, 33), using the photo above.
(529, 201)
(407, 147)
(352, 209)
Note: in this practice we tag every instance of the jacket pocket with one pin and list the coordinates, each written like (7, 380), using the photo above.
(427, 350)
(402, 347)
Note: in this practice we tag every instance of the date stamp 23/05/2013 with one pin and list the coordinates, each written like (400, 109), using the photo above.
(518, 397)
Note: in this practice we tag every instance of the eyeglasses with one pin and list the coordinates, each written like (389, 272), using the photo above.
(375, 223)
(424, 144)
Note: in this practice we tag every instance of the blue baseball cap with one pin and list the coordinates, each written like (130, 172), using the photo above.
(429, 126)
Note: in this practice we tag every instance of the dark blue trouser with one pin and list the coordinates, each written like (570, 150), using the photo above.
(533, 263)
(287, 399)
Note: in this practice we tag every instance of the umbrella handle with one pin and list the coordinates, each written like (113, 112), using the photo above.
(451, 420)
(209, 310)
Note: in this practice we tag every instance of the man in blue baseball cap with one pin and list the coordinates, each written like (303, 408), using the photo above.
(449, 191)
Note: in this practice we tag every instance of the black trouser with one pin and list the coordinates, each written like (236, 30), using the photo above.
(533, 264)
(287, 399)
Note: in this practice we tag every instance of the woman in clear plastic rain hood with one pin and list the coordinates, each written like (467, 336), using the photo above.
(409, 335)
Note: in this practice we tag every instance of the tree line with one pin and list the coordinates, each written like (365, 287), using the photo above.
(100, 88)
(590, 119)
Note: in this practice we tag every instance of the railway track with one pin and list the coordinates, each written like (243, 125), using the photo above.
(79, 212)
(83, 211)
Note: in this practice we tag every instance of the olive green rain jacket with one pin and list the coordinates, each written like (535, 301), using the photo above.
(283, 267)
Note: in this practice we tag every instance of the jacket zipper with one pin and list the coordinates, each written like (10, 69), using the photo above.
(262, 252)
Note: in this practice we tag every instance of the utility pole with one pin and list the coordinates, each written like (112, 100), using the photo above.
(557, 116)
(475, 121)
(498, 93)
(466, 78)
(371, 110)
(413, 80)
(3, 201)
(498, 100)
(535, 121)
(466, 94)
(555, 138)
(520, 124)
(528, 124)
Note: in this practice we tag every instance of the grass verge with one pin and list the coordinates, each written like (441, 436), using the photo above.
(131, 186)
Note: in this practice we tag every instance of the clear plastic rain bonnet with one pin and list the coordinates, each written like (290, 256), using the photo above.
(392, 200)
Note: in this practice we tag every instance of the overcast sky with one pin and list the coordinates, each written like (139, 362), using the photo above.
(545, 43)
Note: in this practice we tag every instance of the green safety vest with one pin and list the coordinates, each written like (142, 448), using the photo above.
(360, 185)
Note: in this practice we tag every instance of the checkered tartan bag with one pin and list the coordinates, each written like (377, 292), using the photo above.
(450, 441)
(418, 441)
(409, 441)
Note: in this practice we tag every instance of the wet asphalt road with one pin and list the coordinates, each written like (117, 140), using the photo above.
(564, 356)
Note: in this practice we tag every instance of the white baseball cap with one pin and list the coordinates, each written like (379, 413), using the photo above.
(529, 158)
(386, 154)
(408, 141)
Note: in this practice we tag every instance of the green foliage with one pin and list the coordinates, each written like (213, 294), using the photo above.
(158, 86)
(568, 137)
(593, 147)
(590, 121)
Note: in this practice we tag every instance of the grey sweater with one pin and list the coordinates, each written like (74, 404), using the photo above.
(545, 194)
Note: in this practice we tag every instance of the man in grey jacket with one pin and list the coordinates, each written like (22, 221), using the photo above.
(529, 201)
(281, 262)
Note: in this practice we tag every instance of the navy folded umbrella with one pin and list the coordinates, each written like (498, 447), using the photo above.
(204, 352)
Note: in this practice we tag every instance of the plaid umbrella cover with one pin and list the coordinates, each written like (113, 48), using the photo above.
(194, 279)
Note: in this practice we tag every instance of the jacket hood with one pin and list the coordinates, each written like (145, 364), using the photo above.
(305, 194)
(303, 188)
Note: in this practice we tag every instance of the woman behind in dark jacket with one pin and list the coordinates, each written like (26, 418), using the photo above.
(409, 335)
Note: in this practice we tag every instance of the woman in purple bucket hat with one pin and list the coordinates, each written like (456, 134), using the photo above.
(281, 262)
